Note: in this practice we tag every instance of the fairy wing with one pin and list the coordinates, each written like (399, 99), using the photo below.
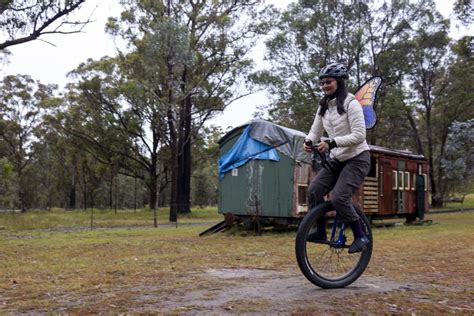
(366, 95)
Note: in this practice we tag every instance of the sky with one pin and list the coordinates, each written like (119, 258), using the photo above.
(50, 64)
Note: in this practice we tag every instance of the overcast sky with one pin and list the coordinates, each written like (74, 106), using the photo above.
(50, 64)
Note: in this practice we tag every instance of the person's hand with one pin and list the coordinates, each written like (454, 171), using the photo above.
(307, 146)
(323, 147)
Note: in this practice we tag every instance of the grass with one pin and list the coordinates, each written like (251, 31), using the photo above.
(142, 270)
(59, 218)
(62, 219)
(468, 203)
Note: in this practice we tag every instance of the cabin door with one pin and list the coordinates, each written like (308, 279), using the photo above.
(386, 186)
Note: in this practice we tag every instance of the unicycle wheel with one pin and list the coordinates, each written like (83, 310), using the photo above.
(328, 264)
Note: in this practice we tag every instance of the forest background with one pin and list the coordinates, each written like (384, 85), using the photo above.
(130, 130)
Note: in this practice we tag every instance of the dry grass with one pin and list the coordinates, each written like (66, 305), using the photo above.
(146, 270)
(64, 219)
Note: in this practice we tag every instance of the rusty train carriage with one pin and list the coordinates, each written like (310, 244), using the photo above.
(390, 189)
(275, 192)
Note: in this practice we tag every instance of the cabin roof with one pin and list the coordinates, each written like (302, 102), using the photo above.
(396, 152)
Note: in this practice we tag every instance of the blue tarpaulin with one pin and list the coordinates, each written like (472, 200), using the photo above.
(245, 149)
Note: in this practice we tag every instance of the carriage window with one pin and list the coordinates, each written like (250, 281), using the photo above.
(395, 180)
(413, 182)
(407, 180)
(426, 181)
(302, 195)
(401, 180)
(373, 167)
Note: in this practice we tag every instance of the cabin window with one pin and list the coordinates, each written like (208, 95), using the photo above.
(395, 179)
(401, 180)
(407, 180)
(413, 182)
(374, 166)
(302, 195)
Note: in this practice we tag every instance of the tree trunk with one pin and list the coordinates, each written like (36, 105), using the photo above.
(21, 196)
(152, 191)
(21, 189)
(436, 198)
(152, 187)
(72, 191)
(411, 120)
(111, 189)
(84, 186)
(174, 187)
(116, 195)
(184, 161)
(135, 194)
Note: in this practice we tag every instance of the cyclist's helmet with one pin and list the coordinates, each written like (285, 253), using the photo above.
(335, 70)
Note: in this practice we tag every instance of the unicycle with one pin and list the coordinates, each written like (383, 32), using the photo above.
(328, 264)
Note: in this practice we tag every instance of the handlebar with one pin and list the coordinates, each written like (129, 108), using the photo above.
(324, 159)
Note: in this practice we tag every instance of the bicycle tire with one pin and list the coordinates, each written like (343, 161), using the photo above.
(312, 268)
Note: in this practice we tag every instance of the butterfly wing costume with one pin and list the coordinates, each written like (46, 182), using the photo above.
(366, 95)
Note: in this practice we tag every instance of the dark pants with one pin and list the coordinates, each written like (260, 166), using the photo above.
(343, 182)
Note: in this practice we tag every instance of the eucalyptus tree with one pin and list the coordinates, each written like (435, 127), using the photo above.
(191, 58)
(427, 61)
(23, 21)
(458, 161)
(115, 120)
(455, 103)
(23, 102)
(53, 172)
(388, 27)
(308, 35)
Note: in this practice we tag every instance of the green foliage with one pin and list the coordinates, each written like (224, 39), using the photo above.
(458, 161)
(204, 177)
(23, 102)
(8, 188)
(464, 11)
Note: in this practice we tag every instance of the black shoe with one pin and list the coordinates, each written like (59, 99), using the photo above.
(317, 236)
(359, 244)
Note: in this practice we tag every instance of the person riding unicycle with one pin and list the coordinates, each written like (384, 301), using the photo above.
(340, 115)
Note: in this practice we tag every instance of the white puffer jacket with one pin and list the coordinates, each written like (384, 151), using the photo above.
(347, 130)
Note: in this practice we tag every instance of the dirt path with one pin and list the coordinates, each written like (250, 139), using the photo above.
(264, 291)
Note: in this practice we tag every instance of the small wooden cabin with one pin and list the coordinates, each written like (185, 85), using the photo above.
(275, 190)
(399, 180)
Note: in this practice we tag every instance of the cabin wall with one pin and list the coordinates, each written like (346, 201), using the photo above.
(258, 188)
(303, 174)
(397, 184)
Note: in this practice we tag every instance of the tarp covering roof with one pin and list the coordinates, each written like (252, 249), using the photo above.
(260, 140)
